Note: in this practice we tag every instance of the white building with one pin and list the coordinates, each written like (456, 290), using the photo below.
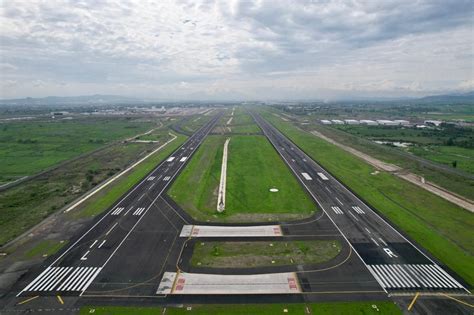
(337, 122)
(368, 122)
(436, 123)
(351, 121)
(385, 122)
(402, 122)
(326, 122)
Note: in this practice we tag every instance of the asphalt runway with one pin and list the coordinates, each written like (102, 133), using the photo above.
(125, 253)
(395, 262)
(83, 262)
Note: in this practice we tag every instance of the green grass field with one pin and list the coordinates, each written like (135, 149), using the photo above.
(241, 123)
(263, 254)
(439, 226)
(29, 147)
(446, 155)
(455, 183)
(253, 168)
(331, 308)
(45, 248)
(25, 205)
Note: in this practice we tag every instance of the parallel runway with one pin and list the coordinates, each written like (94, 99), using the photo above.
(393, 260)
(82, 262)
(130, 247)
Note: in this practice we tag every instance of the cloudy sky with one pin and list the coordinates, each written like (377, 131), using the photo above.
(236, 49)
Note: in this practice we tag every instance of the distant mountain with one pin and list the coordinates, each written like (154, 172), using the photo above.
(74, 100)
(448, 98)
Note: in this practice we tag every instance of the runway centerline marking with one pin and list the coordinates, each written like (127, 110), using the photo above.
(108, 232)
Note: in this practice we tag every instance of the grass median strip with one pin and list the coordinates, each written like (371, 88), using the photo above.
(263, 254)
(330, 308)
(436, 224)
(254, 168)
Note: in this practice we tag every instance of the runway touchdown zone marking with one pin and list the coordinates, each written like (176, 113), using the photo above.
(358, 210)
(139, 211)
(337, 210)
(414, 277)
(306, 176)
(63, 279)
(117, 211)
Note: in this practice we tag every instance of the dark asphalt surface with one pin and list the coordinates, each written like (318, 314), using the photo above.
(123, 255)
(396, 263)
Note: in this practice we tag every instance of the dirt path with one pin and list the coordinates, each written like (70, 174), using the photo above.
(412, 178)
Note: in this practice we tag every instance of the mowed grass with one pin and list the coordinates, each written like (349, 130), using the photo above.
(253, 168)
(29, 147)
(241, 123)
(330, 308)
(261, 254)
(441, 227)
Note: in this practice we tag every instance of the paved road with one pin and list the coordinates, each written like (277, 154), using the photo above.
(396, 263)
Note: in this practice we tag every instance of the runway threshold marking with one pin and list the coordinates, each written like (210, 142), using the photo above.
(413, 301)
(28, 300)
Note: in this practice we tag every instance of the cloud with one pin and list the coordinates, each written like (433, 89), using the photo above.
(240, 46)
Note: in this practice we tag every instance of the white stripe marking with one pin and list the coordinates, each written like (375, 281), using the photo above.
(111, 228)
(374, 241)
(85, 255)
(58, 279)
(103, 242)
(83, 280)
(323, 177)
(93, 244)
(47, 279)
(36, 279)
(68, 279)
(84, 288)
(306, 176)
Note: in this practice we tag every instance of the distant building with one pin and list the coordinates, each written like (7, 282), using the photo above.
(351, 121)
(402, 122)
(326, 122)
(337, 122)
(368, 122)
(435, 123)
(385, 122)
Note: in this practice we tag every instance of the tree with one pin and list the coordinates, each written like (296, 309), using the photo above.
(454, 163)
